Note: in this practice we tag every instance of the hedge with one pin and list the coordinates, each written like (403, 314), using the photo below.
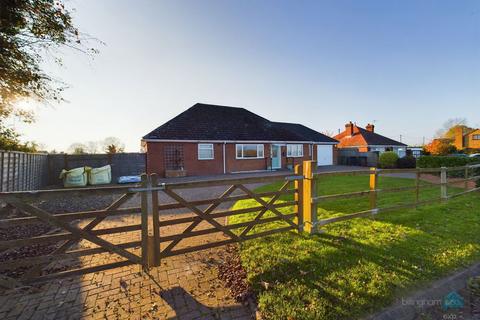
(407, 162)
(443, 161)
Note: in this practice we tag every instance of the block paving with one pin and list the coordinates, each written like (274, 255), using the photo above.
(183, 287)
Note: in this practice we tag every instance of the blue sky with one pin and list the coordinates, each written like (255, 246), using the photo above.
(407, 65)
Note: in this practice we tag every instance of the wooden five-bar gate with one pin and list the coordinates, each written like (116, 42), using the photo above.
(141, 242)
(76, 238)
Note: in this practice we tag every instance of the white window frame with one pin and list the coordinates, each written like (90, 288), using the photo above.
(476, 137)
(205, 146)
(293, 150)
(260, 151)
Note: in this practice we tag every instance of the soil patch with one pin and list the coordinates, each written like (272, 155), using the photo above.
(234, 275)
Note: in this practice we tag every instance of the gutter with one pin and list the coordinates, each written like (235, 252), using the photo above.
(239, 141)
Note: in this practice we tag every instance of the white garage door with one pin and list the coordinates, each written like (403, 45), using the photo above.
(324, 155)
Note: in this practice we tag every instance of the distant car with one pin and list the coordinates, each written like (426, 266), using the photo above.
(459, 155)
(475, 155)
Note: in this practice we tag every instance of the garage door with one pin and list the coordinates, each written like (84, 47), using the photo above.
(324, 155)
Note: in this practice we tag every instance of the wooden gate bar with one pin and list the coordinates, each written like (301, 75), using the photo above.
(48, 218)
(222, 214)
(200, 213)
(267, 206)
(230, 227)
(78, 272)
(69, 216)
(192, 226)
(29, 261)
(95, 222)
(52, 238)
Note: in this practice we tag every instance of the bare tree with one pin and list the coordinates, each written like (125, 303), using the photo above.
(112, 145)
(77, 148)
(328, 133)
(91, 146)
(447, 131)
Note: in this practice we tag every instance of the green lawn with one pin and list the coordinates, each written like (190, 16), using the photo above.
(358, 266)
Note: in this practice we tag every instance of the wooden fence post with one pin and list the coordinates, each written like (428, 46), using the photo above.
(144, 220)
(466, 177)
(156, 221)
(417, 187)
(298, 170)
(309, 212)
(373, 188)
(443, 184)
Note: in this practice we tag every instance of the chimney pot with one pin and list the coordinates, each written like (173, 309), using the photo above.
(349, 128)
(370, 127)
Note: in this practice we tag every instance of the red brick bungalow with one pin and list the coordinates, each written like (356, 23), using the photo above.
(209, 139)
(366, 139)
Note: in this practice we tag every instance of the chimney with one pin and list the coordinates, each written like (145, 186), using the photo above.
(349, 128)
(370, 127)
(458, 141)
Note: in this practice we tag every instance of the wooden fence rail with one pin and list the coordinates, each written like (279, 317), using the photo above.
(374, 191)
(147, 242)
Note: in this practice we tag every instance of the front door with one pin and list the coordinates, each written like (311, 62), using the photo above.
(276, 156)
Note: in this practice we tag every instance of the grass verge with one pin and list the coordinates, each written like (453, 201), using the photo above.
(356, 267)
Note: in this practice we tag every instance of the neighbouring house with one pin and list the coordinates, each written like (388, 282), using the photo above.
(415, 151)
(469, 139)
(209, 139)
(366, 139)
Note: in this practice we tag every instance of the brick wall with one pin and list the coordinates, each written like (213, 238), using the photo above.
(193, 166)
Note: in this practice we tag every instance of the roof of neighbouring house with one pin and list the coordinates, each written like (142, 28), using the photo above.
(363, 137)
(220, 123)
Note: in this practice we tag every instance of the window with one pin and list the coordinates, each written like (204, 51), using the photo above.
(476, 137)
(377, 149)
(249, 151)
(294, 150)
(205, 151)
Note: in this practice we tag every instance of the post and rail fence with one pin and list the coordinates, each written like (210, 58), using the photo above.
(374, 191)
(147, 242)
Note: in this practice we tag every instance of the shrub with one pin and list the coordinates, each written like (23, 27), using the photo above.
(388, 160)
(440, 147)
(407, 162)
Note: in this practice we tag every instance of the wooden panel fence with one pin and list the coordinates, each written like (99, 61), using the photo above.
(22, 171)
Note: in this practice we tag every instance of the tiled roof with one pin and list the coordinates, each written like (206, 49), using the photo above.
(363, 137)
(221, 123)
(306, 133)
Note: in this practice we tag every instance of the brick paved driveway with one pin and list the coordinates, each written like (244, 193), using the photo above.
(183, 287)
